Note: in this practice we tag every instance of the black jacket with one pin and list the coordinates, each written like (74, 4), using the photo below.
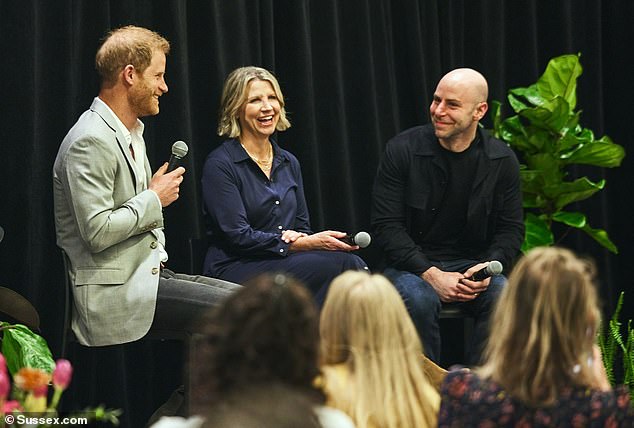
(410, 185)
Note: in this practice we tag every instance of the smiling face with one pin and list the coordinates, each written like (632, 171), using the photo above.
(148, 87)
(261, 111)
(458, 105)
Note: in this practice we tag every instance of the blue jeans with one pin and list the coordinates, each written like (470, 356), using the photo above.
(423, 305)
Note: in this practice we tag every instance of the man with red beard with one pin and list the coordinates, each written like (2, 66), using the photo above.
(446, 201)
(108, 205)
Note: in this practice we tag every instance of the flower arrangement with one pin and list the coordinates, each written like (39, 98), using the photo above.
(31, 387)
(25, 356)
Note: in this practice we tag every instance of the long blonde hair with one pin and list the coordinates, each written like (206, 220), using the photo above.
(543, 327)
(365, 326)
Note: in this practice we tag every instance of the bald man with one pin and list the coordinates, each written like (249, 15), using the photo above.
(446, 201)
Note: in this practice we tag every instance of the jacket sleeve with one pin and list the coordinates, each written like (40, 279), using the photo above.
(508, 233)
(224, 205)
(89, 177)
(389, 213)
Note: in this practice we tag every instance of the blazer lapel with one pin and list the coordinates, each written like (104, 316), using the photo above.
(107, 117)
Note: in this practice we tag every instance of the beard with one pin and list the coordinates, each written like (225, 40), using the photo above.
(143, 101)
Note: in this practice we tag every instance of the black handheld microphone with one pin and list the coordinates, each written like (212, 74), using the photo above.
(179, 151)
(362, 239)
(493, 268)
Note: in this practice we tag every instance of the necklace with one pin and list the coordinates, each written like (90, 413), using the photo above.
(263, 163)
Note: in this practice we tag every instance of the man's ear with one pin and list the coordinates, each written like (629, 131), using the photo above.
(129, 74)
(480, 110)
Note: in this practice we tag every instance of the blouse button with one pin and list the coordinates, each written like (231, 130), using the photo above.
(280, 227)
(281, 250)
(277, 202)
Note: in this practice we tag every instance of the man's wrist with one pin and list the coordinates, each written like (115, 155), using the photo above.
(429, 274)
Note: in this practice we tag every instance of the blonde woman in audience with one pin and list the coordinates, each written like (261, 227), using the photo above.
(542, 367)
(256, 358)
(372, 358)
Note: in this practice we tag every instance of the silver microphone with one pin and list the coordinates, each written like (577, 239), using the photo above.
(493, 268)
(179, 151)
(362, 239)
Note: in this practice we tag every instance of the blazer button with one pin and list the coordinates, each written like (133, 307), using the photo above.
(153, 245)
(155, 271)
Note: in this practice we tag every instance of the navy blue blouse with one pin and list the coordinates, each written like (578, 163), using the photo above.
(247, 212)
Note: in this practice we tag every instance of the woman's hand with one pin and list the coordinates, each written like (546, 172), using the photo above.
(289, 236)
(326, 240)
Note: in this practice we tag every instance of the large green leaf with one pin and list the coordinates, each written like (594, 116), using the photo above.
(495, 113)
(552, 115)
(598, 153)
(573, 191)
(541, 139)
(23, 348)
(601, 236)
(538, 233)
(560, 79)
(547, 166)
(573, 139)
(577, 220)
(523, 98)
(512, 131)
(532, 181)
(572, 126)
(532, 200)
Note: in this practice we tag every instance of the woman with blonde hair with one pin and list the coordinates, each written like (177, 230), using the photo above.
(256, 212)
(372, 358)
(542, 367)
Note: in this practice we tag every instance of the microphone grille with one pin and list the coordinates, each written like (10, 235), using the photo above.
(362, 239)
(495, 267)
(180, 149)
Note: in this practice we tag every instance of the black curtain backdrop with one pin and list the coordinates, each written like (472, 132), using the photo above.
(354, 73)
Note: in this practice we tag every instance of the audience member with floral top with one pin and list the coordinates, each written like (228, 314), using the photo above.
(542, 368)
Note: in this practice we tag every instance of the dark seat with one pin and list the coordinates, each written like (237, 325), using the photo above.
(68, 336)
(197, 248)
(452, 312)
(18, 309)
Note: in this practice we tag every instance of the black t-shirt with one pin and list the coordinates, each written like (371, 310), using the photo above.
(445, 240)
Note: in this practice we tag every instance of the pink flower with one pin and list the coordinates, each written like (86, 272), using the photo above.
(10, 406)
(40, 391)
(5, 386)
(62, 374)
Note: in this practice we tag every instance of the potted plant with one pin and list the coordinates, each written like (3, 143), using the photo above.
(26, 357)
(546, 132)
